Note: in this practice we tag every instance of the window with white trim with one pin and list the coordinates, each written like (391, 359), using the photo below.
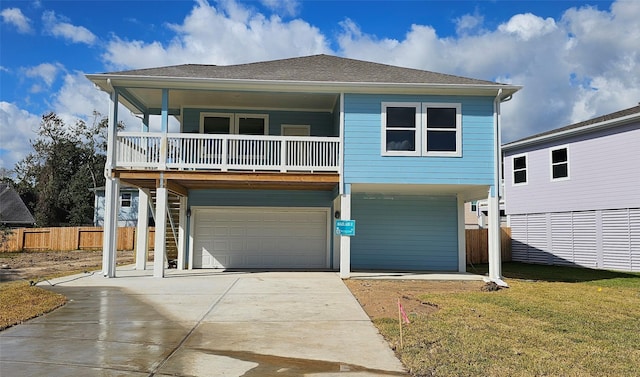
(443, 129)
(295, 130)
(519, 169)
(125, 200)
(400, 129)
(216, 123)
(559, 163)
(421, 129)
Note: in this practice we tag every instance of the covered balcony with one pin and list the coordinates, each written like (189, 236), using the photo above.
(176, 151)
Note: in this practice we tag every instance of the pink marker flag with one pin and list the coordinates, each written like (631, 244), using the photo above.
(402, 313)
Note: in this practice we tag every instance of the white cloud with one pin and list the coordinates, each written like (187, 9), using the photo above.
(58, 27)
(469, 23)
(15, 17)
(527, 26)
(228, 34)
(17, 128)
(586, 64)
(286, 7)
(76, 100)
(47, 72)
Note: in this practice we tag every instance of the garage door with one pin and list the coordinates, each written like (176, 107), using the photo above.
(260, 238)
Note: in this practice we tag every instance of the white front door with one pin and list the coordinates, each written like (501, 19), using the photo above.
(260, 238)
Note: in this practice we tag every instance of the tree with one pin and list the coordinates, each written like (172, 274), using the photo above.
(55, 180)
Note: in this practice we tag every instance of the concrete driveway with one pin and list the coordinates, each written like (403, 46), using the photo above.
(200, 323)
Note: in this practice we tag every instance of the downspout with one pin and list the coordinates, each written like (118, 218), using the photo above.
(341, 148)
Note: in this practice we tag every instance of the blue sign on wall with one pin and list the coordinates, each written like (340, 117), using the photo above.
(345, 227)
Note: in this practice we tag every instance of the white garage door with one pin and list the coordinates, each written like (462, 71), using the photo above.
(260, 238)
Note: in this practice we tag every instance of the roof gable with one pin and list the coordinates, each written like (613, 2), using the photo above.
(12, 208)
(315, 68)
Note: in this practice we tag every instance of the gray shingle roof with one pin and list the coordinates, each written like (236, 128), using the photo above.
(577, 126)
(12, 208)
(316, 68)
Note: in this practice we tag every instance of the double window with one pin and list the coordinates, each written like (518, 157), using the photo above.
(228, 123)
(559, 163)
(421, 129)
(559, 169)
(520, 169)
(125, 200)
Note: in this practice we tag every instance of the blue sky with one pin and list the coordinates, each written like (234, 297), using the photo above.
(575, 59)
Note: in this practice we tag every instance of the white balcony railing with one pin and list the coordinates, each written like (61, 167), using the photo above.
(147, 150)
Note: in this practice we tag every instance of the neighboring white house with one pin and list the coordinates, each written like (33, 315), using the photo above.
(573, 194)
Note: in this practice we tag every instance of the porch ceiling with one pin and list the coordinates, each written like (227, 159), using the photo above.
(182, 181)
(152, 99)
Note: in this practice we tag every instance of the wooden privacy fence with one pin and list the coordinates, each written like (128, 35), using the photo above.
(90, 238)
(477, 245)
(65, 239)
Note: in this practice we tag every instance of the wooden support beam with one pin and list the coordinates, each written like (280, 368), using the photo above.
(180, 182)
(177, 188)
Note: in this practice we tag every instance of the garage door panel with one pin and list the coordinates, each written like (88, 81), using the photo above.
(261, 238)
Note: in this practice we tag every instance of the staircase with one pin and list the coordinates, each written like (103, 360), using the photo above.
(171, 222)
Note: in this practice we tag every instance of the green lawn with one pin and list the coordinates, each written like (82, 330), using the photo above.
(552, 321)
(20, 301)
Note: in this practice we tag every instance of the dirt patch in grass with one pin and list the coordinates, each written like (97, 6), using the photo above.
(379, 298)
(36, 266)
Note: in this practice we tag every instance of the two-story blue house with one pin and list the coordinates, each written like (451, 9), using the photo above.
(270, 154)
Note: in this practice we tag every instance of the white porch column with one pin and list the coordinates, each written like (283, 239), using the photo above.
(462, 239)
(110, 226)
(493, 202)
(142, 230)
(182, 233)
(495, 256)
(345, 241)
(159, 249)
(112, 192)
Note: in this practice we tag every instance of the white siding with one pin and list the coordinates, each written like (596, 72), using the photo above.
(584, 239)
(519, 242)
(578, 238)
(616, 242)
(634, 225)
(562, 238)
(604, 173)
(537, 231)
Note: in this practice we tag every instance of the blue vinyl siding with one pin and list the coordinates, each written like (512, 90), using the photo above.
(363, 162)
(322, 123)
(404, 233)
(127, 216)
(261, 198)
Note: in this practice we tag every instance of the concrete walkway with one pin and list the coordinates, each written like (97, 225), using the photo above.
(200, 323)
